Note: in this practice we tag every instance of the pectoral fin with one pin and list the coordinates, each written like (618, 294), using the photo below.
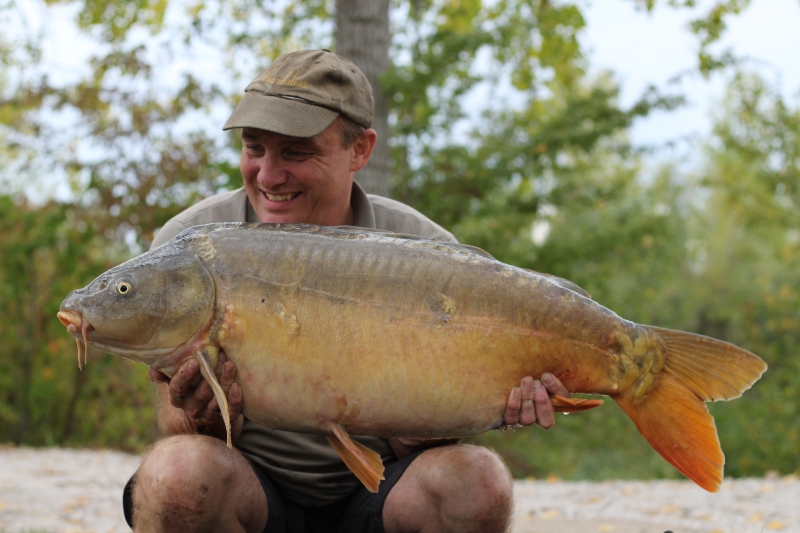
(365, 463)
(573, 405)
(205, 358)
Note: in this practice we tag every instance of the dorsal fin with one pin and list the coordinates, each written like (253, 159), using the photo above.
(454, 246)
(474, 249)
(565, 283)
(336, 231)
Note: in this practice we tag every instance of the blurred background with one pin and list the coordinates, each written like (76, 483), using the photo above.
(648, 150)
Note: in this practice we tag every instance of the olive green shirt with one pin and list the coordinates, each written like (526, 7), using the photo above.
(304, 466)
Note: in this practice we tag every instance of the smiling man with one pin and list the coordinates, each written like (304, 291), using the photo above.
(305, 132)
(306, 185)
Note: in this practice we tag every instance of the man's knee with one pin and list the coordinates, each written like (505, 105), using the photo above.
(186, 467)
(453, 488)
(479, 476)
(187, 478)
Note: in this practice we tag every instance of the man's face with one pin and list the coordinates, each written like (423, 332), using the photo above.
(296, 180)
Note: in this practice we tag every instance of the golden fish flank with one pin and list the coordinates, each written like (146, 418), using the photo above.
(442, 306)
(344, 310)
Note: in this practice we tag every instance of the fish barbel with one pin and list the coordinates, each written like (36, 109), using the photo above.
(353, 331)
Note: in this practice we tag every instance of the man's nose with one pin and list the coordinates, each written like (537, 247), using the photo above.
(271, 172)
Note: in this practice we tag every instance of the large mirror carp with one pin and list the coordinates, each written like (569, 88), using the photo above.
(353, 331)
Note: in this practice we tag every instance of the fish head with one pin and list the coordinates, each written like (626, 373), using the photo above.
(145, 309)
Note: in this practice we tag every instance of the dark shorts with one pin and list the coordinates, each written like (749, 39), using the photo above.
(361, 512)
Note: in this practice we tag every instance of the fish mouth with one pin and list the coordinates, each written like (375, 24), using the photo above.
(79, 328)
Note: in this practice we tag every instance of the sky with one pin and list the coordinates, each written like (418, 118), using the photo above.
(651, 48)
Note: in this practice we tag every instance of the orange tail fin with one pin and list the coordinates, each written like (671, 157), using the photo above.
(672, 415)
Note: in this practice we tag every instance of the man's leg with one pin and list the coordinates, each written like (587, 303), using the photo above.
(457, 488)
(194, 483)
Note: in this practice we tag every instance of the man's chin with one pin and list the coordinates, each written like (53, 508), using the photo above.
(283, 217)
(289, 212)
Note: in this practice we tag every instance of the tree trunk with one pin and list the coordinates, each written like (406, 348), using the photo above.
(362, 36)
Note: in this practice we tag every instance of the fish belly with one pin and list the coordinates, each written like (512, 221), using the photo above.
(392, 343)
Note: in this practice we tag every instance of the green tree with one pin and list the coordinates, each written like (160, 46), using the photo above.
(135, 135)
(753, 176)
(45, 252)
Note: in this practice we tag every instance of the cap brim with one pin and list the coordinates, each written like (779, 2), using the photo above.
(281, 115)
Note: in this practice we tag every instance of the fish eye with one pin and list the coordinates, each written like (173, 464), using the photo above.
(124, 287)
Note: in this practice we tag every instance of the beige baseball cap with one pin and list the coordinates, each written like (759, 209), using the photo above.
(302, 93)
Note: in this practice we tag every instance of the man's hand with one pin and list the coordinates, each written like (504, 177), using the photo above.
(186, 408)
(530, 402)
(527, 404)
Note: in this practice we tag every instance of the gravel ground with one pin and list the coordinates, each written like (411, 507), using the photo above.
(71, 491)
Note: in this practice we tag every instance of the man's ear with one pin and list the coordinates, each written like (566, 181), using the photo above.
(362, 149)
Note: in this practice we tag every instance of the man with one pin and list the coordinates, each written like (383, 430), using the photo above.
(305, 132)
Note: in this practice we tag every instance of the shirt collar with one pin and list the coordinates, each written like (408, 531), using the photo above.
(363, 213)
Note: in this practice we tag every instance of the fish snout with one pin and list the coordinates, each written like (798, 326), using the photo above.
(79, 328)
(69, 318)
(75, 323)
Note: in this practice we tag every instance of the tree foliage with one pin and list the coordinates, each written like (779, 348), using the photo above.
(45, 252)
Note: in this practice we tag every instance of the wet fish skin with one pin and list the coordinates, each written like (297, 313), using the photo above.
(346, 330)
